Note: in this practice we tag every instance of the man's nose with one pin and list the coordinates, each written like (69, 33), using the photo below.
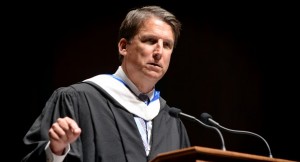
(159, 47)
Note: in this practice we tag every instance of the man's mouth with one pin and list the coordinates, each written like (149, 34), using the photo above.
(156, 65)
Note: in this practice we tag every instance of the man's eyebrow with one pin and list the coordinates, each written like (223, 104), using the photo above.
(155, 37)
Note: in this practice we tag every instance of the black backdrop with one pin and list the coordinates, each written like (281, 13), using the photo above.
(235, 61)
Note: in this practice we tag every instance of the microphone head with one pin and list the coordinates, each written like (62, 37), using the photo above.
(174, 112)
(204, 117)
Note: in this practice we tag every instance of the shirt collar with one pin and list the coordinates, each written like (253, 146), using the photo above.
(120, 74)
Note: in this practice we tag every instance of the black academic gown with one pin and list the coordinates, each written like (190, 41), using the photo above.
(109, 132)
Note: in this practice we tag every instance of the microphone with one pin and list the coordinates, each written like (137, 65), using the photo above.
(175, 112)
(206, 118)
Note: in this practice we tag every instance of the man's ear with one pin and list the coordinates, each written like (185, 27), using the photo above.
(122, 46)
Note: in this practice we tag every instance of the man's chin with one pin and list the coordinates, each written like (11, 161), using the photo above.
(155, 75)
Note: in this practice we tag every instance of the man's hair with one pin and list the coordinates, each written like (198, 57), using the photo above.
(136, 17)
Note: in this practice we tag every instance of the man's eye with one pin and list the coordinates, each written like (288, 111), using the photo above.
(152, 41)
(167, 45)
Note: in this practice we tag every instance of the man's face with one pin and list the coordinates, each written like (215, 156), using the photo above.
(149, 52)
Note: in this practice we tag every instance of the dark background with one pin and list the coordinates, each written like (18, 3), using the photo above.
(238, 62)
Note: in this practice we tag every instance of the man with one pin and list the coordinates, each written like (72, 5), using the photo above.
(119, 117)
